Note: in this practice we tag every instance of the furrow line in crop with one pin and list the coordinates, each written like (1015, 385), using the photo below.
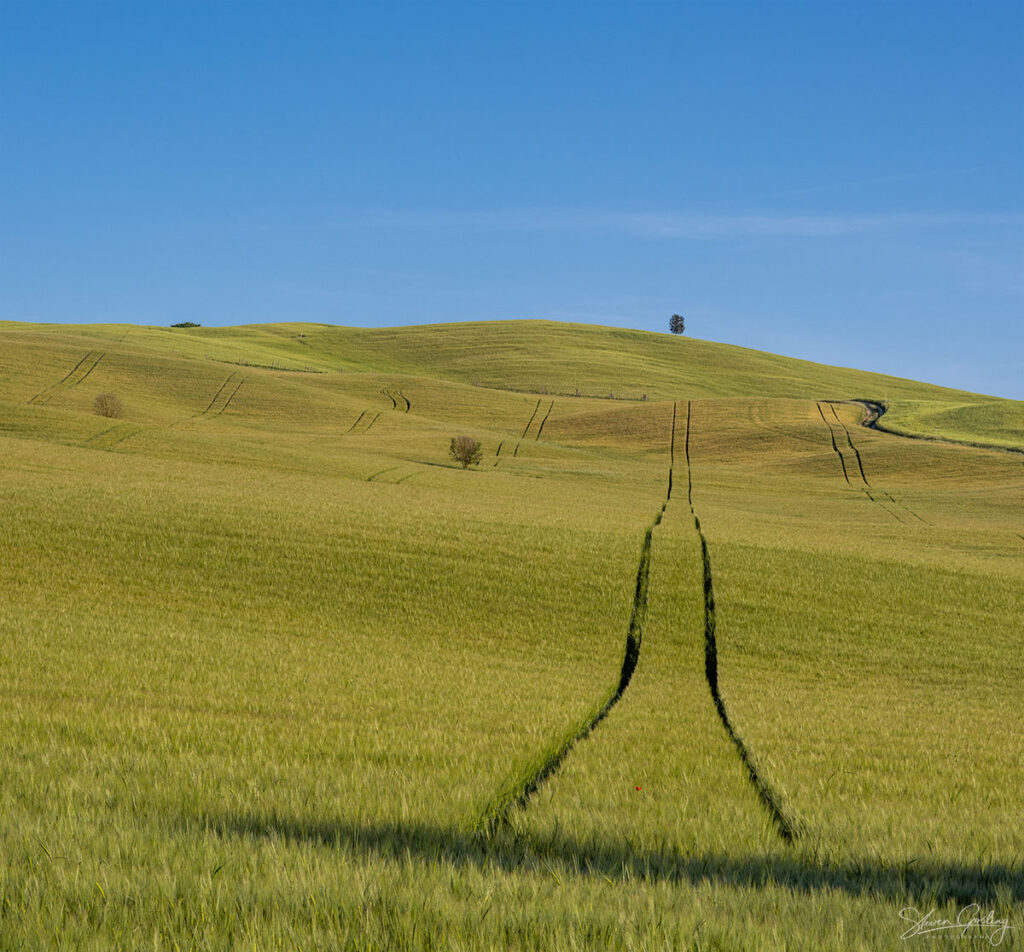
(374, 420)
(497, 455)
(540, 429)
(516, 791)
(770, 798)
(387, 393)
(354, 425)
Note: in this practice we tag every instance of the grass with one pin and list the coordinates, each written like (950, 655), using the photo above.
(264, 671)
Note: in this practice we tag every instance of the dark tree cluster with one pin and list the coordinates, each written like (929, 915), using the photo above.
(677, 324)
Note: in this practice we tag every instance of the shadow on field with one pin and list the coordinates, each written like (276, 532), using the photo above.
(920, 881)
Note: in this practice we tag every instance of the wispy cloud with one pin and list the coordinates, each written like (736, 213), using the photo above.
(679, 226)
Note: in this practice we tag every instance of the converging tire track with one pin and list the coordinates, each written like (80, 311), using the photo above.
(771, 800)
(71, 379)
(518, 789)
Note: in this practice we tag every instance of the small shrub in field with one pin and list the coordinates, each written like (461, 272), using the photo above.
(465, 450)
(108, 405)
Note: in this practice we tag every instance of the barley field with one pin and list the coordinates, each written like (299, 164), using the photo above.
(705, 653)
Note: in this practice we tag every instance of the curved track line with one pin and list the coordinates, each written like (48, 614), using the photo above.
(873, 412)
(770, 798)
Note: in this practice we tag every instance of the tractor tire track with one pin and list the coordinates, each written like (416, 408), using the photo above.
(832, 437)
(231, 397)
(518, 788)
(866, 486)
(860, 464)
(358, 418)
(381, 472)
(540, 429)
(770, 798)
(849, 442)
(497, 455)
(116, 435)
(216, 396)
(394, 395)
(526, 428)
(71, 379)
(374, 420)
(66, 376)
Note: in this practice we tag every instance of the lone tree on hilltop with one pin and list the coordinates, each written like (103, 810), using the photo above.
(677, 324)
(465, 450)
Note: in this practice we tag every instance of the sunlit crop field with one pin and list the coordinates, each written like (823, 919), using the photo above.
(278, 674)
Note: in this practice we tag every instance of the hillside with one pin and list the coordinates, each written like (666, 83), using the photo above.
(279, 674)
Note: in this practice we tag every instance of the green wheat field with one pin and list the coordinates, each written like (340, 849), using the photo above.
(694, 659)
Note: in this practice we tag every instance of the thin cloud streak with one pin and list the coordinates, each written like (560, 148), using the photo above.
(678, 226)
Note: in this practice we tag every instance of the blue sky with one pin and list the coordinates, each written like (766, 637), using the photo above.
(833, 180)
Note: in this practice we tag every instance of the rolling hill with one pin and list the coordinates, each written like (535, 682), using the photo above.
(693, 659)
